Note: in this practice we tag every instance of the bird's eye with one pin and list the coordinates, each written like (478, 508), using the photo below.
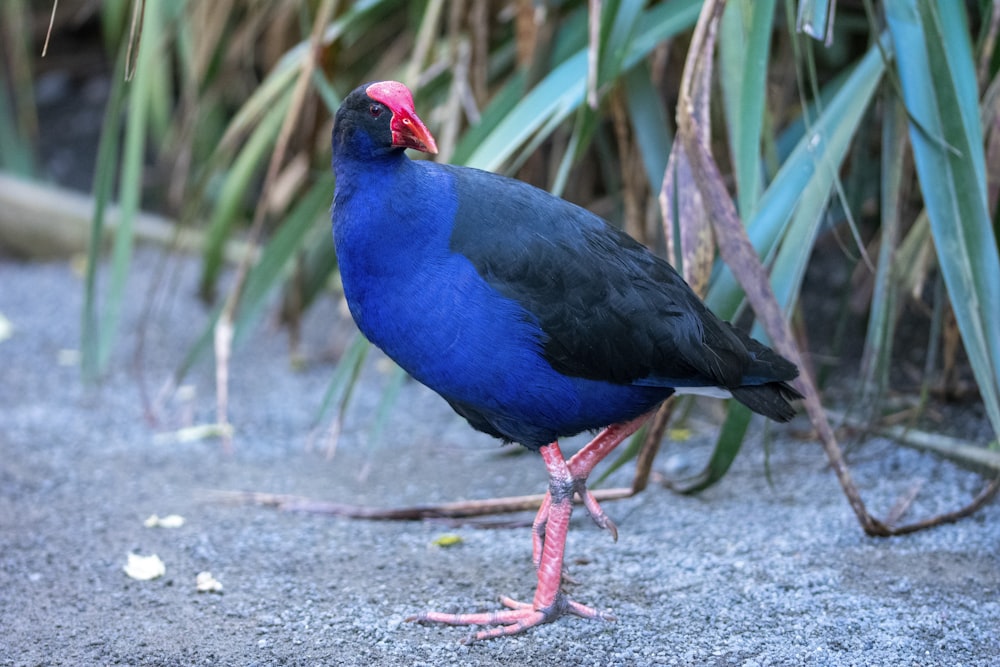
(375, 110)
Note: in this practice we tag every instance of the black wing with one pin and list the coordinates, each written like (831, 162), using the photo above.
(610, 310)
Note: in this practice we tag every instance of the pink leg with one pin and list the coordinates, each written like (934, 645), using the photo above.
(581, 465)
(549, 602)
(551, 525)
(584, 461)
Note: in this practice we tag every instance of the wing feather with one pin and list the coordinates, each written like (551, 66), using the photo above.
(609, 309)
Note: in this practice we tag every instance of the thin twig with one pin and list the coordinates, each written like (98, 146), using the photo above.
(48, 33)
(456, 510)
(984, 496)
(134, 38)
(897, 511)
(989, 45)
(594, 9)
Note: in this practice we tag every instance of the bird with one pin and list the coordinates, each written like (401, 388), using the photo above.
(534, 318)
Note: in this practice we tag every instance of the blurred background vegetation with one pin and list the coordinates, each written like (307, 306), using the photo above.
(859, 139)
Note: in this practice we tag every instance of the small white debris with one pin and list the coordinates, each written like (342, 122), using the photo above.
(6, 328)
(144, 568)
(69, 357)
(195, 433)
(169, 521)
(186, 392)
(206, 583)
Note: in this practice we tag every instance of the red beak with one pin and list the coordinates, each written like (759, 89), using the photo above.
(408, 131)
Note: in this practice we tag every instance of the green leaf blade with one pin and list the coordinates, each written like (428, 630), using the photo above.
(936, 68)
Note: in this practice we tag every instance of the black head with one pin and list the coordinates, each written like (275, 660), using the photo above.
(378, 118)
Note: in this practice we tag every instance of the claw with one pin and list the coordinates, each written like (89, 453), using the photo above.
(597, 512)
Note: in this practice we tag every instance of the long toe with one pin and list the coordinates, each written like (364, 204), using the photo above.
(518, 617)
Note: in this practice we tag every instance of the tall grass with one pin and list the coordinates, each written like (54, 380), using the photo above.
(578, 98)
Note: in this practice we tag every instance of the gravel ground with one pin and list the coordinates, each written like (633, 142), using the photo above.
(751, 572)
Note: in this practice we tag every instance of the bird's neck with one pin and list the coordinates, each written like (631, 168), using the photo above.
(389, 214)
(353, 170)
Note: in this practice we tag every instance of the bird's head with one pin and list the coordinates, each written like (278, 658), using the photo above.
(379, 117)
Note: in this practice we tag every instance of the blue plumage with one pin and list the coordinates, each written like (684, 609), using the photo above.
(426, 306)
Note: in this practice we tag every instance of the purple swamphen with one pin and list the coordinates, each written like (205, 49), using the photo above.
(534, 318)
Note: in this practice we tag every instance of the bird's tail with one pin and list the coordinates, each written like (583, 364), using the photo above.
(765, 388)
(771, 399)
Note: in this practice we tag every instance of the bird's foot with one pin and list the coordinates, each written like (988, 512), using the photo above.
(518, 617)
